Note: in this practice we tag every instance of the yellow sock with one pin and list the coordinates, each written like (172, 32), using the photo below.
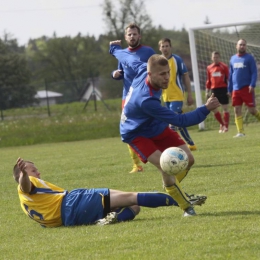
(134, 156)
(180, 176)
(176, 192)
(257, 115)
(239, 124)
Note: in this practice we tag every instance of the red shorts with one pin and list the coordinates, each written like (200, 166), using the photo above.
(243, 96)
(144, 146)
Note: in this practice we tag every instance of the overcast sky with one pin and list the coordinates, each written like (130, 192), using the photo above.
(26, 19)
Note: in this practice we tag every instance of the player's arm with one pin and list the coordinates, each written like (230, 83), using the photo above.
(24, 181)
(186, 82)
(226, 73)
(122, 56)
(253, 69)
(208, 84)
(154, 109)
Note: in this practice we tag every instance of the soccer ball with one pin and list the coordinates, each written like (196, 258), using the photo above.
(174, 160)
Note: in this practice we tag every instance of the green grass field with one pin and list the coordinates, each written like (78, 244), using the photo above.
(227, 226)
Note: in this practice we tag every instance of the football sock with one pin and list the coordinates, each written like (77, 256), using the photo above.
(124, 214)
(257, 115)
(155, 199)
(219, 118)
(226, 119)
(180, 176)
(185, 135)
(178, 195)
(134, 156)
(239, 124)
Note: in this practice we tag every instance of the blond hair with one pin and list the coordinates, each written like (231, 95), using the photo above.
(156, 60)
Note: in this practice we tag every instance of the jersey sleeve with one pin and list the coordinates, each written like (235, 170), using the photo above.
(230, 83)
(253, 69)
(130, 60)
(208, 82)
(153, 108)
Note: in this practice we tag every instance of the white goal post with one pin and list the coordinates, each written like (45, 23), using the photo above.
(223, 38)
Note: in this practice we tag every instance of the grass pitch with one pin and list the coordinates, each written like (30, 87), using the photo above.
(227, 226)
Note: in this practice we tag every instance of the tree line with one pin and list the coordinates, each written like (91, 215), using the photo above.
(72, 61)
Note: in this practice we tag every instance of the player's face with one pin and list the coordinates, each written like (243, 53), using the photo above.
(32, 170)
(160, 76)
(241, 46)
(216, 58)
(132, 37)
(165, 49)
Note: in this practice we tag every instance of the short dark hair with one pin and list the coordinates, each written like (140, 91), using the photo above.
(163, 40)
(133, 26)
(215, 52)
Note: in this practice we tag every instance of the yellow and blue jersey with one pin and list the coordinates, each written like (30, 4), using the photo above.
(43, 203)
(175, 90)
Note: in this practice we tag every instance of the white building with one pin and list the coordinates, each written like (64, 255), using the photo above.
(89, 93)
(52, 97)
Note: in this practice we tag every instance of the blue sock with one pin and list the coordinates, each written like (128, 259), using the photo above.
(124, 214)
(155, 199)
(185, 135)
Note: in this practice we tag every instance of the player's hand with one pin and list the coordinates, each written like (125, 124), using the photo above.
(212, 103)
(117, 74)
(117, 42)
(21, 164)
(207, 94)
(251, 89)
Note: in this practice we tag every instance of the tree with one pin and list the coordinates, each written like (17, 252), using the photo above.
(14, 77)
(207, 21)
(129, 11)
(68, 60)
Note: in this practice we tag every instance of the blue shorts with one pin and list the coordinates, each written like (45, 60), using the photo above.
(175, 106)
(85, 206)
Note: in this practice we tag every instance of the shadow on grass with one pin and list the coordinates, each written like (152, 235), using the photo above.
(230, 213)
(215, 165)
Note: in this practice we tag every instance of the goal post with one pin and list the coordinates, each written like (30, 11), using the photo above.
(223, 38)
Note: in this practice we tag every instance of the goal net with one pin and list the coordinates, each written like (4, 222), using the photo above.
(223, 38)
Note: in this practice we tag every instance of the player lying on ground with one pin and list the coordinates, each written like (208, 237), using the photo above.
(52, 206)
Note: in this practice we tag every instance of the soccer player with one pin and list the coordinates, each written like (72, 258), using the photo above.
(52, 206)
(242, 83)
(144, 121)
(173, 96)
(217, 81)
(132, 37)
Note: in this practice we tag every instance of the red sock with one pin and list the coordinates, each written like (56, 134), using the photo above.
(226, 119)
(219, 118)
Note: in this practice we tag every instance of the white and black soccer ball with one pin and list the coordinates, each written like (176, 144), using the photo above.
(174, 160)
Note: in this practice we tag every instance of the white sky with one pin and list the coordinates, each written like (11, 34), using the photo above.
(26, 19)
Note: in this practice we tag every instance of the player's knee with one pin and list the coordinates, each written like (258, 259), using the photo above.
(191, 159)
(136, 209)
